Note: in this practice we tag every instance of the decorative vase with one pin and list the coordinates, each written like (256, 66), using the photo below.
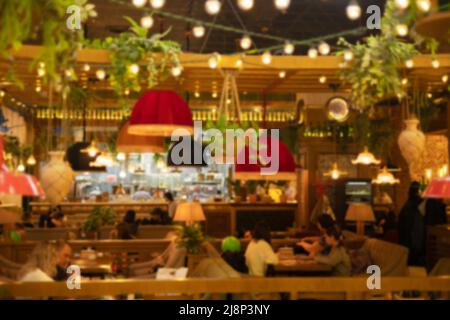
(412, 146)
(56, 178)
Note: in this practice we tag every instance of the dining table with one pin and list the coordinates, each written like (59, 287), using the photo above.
(301, 265)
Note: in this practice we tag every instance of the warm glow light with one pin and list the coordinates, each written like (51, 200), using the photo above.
(385, 177)
(423, 5)
(428, 174)
(282, 74)
(289, 48)
(245, 4)
(404, 81)
(214, 95)
(38, 89)
(353, 10)
(313, 53)
(366, 158)
(429, 95)
(160, 164)
(435, 63)
(91, 150)
(323, 79)
(134, 68)
(122, 174)
(157, 4)
(239, 63)
(31, 161)
(348, 55)
(409, 63)
(402, 30)
(445, 78)
(21, 167)
(213, 61)
(176, 71)
(41, 72)
(246, 42)
(324, 48)
(334, 173)
(197, 94)
(402, 4)
(282, 5)
(121, 156)
(198, 31)
(2, 93)
(103, 160)
(101, 74)
(147, 22)
(212, 7)
(266, 57)
(139, 3)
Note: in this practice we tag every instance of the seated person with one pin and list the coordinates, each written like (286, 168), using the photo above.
(56, 220)
(316, 245)
(337, 257)
(232, 254)
(156, 217)
(130, 221)
(64, 253)
(121, 231)
(259, 254)
(41, 265)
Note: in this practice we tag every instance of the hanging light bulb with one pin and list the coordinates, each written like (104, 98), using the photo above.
(348, 55)
(198, 31)
(86, 67)
(134, 68)
(289, 48)
(92, 149)
(313, 53)
(385, 177)
(147, 22)
(245, 4)
(157, 4)
(334, 173)
(282, 5)
(101, 74)
(41, 72)
(213, 60)
(31, 161)
(402, 4)
(266, 57)
(423, 5)
(239, 63)
(324, 48)
(139, 3)
(2, 93)
(214, 95)
(366, 158)
(121, 156)
(404, 81)
(212, 7)
(246, 42)
(445, 78)
(38, 89)
(435, 63)
(401, 29)
(122, 174)
(409, 63)
(176, 71)
(21, 167)
(282, 74)
(323, 79)
(197, 94)
(353, 10)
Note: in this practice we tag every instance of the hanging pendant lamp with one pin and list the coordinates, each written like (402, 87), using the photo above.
(128, 143)
(385, 177)
(366, 158)
(159, 113)
(335, 173)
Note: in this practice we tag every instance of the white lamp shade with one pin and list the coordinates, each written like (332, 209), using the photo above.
(360, 212)
(189, 212)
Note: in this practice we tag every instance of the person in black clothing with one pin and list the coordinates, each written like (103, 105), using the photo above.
(130, 220)
(411, 226)
(435, 212)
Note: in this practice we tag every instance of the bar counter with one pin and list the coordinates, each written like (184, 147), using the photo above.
(222, 218)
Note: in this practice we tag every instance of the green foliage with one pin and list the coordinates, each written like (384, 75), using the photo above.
(12, 146)
(191, 238)
(99, 217)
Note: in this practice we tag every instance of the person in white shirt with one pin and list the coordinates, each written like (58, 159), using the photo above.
(41, 265)
(259, 253)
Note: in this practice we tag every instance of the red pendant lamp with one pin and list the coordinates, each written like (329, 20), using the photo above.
(249, 171)
(159, 113)
(128, 143)
(17, 184)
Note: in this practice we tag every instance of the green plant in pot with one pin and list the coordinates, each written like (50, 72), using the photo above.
(191, 238)
(99, 217)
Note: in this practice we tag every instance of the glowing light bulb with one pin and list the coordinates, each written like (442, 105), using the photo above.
(423, 5)
(401, 29)
(246, 42)
(21, 167)
(38, 89)
(282, 5)
(323, 79)
(41, 72)
(86, 67)
(176, 71)
(31, 161)
(335, 174)
(313, 53)
(282, 74)
(353, 10)
(324, 48)
(157, 4)
(435, 63)
(348, 55)
(198, 31)
(213, 61)
(289, 48)
(404, 81)
(2, 93)
(429, 95)
(101, 74)
(139, 3)
(122, 174)
(409, 63)
(245, 4)
(266, 57)
(445, 78)
(147, 22)
(212, 7)
(214, 95)
(402, 4)
(121, 156)
(239, 63)
(134, 68)
(197, 94)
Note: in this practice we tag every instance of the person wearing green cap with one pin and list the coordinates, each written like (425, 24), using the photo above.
(232, 254)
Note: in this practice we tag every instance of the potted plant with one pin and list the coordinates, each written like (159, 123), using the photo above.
(99, 217)
(192, 239)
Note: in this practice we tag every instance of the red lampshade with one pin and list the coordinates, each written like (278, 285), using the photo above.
(286, 169)
(159, 113)
(132, 143)
(438, 188)
(17, 184)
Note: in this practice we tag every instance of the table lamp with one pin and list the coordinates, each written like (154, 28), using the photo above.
(189, 212)
(359, 212)
(438, 188)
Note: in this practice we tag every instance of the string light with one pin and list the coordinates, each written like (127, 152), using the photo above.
(246, 42)
(429, 95)
(266, 57)
(401, 29)
(214, 95)
(289, 48)
(198, 31)
(282, 5)
(197, 94)
(402, 4)
(323, 79)
(176, 71)
(445, 78)
(404, 81)
(213, 61)
(353, 10)
(147, 22)
(212, 7)
(409, 63)
(101, 74)
(435, 63)
(348, 55)
(324, 48)
(38, 89)
(86, 67)
(157, 4)
(41, 72)
(245, 4)
(139, 3)
(134, 68)
(282, 74)
(239, 63)
(423, 5)
(313, 53)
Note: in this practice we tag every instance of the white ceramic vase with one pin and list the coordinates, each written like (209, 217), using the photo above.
(412, 146)
(56, 178)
